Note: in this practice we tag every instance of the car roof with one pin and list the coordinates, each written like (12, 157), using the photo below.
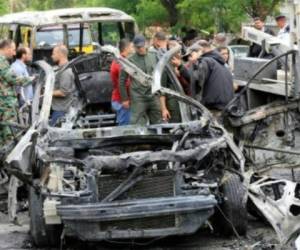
(65, 16)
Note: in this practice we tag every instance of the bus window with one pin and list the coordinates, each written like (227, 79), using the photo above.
(110, 33)
(49, 36)
(74, 36)
(129, 28)
(25, 35)
(5, 32)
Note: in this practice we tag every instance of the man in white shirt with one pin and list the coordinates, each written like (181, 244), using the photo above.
(19, 67)
(284, 29)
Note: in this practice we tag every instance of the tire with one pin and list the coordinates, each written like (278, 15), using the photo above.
(234, 206)
(42, 234)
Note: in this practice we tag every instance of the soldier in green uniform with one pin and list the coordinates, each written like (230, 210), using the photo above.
(141, 102)
(8, 98)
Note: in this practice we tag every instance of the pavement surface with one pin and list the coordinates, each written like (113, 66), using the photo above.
(259, 237)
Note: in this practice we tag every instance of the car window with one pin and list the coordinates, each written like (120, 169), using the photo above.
(240, 51)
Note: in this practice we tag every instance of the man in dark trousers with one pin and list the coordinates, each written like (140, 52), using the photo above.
(213, 83)
(255, 50)
(142, 103)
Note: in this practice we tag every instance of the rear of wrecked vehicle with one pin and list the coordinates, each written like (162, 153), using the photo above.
(131, 182)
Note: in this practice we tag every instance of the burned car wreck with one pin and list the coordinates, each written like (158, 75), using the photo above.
(93, 180)
(265, 120)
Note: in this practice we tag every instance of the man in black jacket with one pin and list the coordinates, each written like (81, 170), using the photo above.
(255, 50)
(213, 83)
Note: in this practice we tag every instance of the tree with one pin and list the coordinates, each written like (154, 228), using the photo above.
(261, 9)
(3, 7)
(151, 12)
(126, 6)
(171, 7)
(220, 15)
(15, 5)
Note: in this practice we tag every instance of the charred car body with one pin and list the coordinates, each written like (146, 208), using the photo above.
(95, 181)
(83, 30)
(268, 128)
(99, 182)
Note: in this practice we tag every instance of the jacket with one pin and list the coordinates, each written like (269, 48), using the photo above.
(213, 83)
(147, 64)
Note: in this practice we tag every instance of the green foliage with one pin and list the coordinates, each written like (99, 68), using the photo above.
(259, 8)
(212, 16)
(3, 7)
(127, 6)
(220, 15)
(150, 12)
(146, 12)
(51, 4)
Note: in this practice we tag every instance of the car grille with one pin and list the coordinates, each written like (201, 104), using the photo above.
(153, 185)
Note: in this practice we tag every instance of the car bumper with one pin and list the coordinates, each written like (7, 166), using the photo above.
(86, 221)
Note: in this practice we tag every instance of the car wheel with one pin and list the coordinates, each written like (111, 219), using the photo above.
(232, 214)
(42, 234)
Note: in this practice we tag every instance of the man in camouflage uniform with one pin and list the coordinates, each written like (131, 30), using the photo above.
(8, 99)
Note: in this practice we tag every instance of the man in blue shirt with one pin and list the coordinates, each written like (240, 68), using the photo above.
(23, 56)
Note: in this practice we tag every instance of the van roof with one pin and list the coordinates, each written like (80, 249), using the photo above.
(65, 16)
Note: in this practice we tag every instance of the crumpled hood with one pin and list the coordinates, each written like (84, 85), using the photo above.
(215, 55)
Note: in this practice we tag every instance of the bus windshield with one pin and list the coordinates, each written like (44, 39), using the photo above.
(53, 36)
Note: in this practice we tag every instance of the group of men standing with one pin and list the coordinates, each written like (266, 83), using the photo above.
(10, 77)
(283, 34)
(201, 71)
(16, 87)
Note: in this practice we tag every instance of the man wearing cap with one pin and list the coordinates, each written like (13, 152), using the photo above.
(142, 103)
(284, 29)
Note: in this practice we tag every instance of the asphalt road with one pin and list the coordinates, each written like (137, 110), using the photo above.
(259, 237)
